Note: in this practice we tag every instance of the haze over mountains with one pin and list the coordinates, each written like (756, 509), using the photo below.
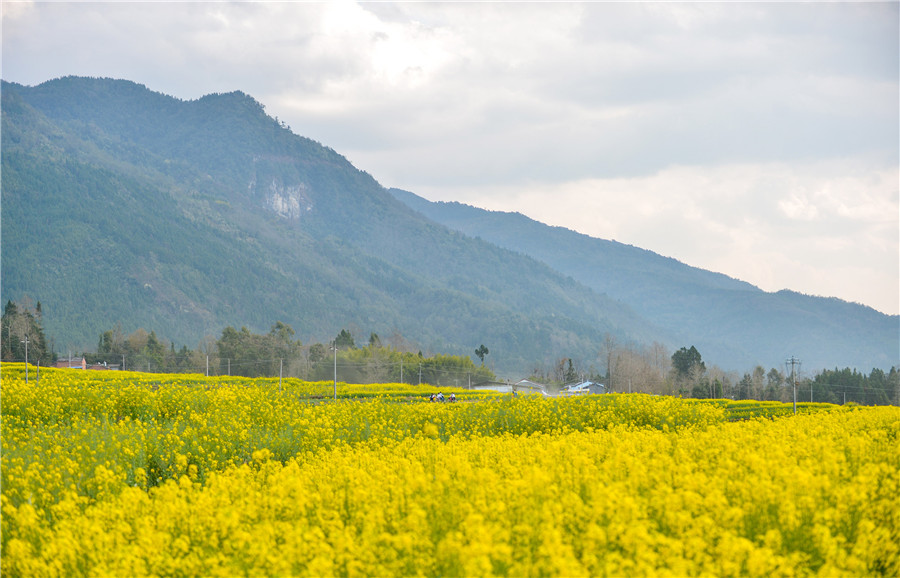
(121, 204)
(727, 319)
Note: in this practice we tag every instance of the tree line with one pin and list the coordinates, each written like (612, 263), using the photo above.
(22, 333)
(245, 353)
(634, 368)
(827, 386)
(622, 368)
(279, 353)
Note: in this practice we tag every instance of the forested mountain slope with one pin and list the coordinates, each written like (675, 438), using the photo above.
(731, 322)
(120, 204)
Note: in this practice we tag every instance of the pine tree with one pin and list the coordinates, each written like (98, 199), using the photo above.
(21, 322)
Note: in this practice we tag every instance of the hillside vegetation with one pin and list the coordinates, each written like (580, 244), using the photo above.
(731, 321)
(126, 205)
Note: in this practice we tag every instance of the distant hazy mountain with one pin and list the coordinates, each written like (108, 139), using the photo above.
(731, 322)
(120, 204)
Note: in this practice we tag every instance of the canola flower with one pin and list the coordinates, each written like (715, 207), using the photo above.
(122, 475)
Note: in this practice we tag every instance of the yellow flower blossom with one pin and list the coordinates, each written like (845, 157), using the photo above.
(121, 473)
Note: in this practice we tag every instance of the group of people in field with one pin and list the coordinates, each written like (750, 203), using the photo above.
(440, 397)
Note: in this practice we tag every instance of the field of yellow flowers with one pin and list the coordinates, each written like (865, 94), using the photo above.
(128, 474)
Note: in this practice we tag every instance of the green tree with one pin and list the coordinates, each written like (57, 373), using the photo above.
(840, 385)
(155, 352)
(481, 351)
(707, 389)
(10, 314)
(344, 340)
(111, 343)
(892, 385)
(280, 342)
(20, 322)
(571, 375)
(564, 371)
(254, 355)
(687, 365)
(744, 389)
(239, 352)
(317, 353)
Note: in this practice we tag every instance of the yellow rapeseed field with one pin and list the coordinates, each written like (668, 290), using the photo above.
(127, 474)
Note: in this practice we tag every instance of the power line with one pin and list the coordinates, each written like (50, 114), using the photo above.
(793, 361)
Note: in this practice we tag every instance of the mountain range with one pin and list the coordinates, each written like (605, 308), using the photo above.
(727, 319)
(125, 205)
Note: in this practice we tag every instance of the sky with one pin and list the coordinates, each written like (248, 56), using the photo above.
(759, 140)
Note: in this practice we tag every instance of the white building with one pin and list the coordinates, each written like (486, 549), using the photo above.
(583, 388)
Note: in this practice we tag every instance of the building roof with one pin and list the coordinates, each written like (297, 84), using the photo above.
(583, 386)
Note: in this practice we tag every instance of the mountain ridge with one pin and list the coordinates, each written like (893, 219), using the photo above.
(126, 205)
(717, 313)
(184, 231)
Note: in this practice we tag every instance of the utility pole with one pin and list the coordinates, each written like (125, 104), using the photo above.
(793, 361)
(26, 359)
(334, 348)
(280, 373)
(401, 368)
(420, 374)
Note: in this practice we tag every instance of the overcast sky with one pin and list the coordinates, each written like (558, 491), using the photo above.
(757, 140)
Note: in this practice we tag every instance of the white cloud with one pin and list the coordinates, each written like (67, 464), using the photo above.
(757, 139)
(819, 228)
(798, 207)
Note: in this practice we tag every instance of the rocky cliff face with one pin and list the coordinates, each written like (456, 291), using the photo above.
(289, 202)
